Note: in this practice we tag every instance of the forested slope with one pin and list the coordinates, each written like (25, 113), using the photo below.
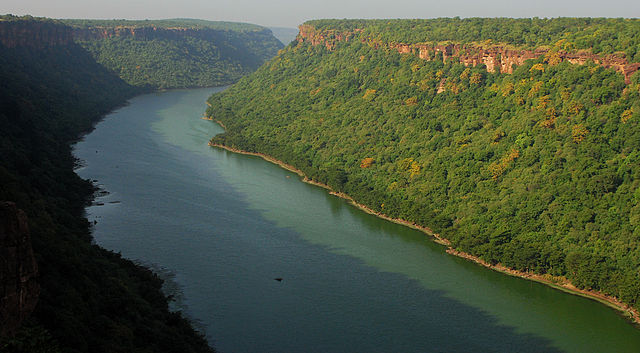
(91, 300)
(537, 169)
(176, 53)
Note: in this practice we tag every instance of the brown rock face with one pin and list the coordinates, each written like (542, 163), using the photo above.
(19, 289)
(328, 38)
(496, 58)
(33, 34)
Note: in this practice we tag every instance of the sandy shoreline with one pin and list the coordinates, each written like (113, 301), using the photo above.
(559, 283)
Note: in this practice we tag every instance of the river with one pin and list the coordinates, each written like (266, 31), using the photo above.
(221, 227)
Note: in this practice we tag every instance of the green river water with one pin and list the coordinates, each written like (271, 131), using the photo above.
(222, 226)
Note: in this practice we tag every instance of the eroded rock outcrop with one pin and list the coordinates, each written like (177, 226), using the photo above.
(496, 58)
(19, 289)
(328, 38)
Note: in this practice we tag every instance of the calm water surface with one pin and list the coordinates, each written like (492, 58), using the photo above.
(225, 225)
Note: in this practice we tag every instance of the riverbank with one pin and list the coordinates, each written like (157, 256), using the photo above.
(560, 283)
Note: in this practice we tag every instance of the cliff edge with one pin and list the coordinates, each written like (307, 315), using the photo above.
(500, 58)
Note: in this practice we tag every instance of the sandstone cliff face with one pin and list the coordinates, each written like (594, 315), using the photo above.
(146, 33)
(19, 289)
(327, 38)
(33, 34)
(496, 58)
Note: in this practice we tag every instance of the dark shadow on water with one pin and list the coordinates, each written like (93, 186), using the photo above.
(329, 302)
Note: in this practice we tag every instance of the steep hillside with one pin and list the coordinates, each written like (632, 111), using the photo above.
(90, 299)
(518, 141)
(176, 53)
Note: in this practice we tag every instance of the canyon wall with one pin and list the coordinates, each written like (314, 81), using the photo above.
(144, 33)
(496, 58)
(19, 289)
(34, 34)
(40, 34)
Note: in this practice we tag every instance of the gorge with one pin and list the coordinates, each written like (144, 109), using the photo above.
(226, 226)
(516, 141)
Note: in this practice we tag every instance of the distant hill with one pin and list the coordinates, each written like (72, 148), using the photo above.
(167, 23)
(176, 53)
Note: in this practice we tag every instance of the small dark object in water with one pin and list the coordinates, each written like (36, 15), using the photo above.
(95, 222)
(278, 279)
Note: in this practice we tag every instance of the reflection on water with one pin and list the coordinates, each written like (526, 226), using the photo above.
(226, 225)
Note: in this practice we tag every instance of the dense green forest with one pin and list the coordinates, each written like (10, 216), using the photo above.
(91, 300)
(176, 53)
(538, 170)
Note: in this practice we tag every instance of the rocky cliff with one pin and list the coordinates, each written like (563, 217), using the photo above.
(19, 289)
(328, 38)
(39, 34)
(497, 58)
(33, 34)
(143, 33)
